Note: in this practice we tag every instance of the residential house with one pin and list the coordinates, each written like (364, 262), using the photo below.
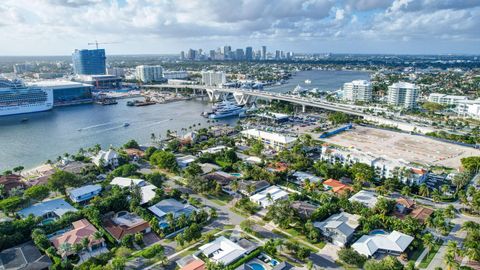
(248, 188)
(301, 177)
(124, 223)
(209, 167)
(336, 186)
(195, 265)
(146, 189)
(222, 250)
(106, 158)
(184, 161)
(268, 196)
(392, 243)
(304, 209)
(214, 150)
(51, 209)
(404, 205)
(366, 197)
(24, 257)
(11, 181)
(421, 213)
(339, 228)
(170, 206)
(64, 242)
(85, 193)
(223, 179)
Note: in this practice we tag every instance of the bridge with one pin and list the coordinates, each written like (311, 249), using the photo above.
(245, 96)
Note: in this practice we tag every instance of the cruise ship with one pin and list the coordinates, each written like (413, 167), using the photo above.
(226, 109)
(16, 98)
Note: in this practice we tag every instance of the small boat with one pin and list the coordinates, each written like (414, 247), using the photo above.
(24, 120)
(308, 82)
(126, 124)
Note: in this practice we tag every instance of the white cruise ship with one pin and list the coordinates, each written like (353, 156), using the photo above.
(16, 98)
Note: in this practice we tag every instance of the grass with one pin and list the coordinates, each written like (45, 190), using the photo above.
(221, 199)
(346, 266)
(239, 212)
(228, 227)
(297, 234)
(431, 253)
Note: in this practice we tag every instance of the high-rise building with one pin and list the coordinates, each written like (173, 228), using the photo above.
(403, 94)
(358, 90)
(182, 55)
(264, 52)
(149, 73)
(89, 62)
(213, 78)
(192, 54)
(249, 53)
(212, 55)
(239, 55)
(227, 51)
(277, 55)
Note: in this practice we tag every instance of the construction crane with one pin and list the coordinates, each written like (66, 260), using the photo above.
(96, 43)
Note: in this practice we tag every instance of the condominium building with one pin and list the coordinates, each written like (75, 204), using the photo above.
(403, 94)
(357, 90)
(213, 78)
(271, 140)
(469, 108)
(89, 62)
(446, 99)
(175, 75)
(149, 73)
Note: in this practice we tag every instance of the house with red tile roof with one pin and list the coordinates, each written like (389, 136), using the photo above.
(123, 223)
(82, 229)
(336, 186)
(11, 181)
(195, 265)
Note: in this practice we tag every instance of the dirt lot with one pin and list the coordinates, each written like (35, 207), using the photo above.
(411, 148)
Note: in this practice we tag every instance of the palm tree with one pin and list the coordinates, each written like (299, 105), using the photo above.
(428, 240)
(452, 247)
(406, 191)
(86, 243)
(436, 196)
(170, 220)
(423, 190)
(450, 262)
(444, 189)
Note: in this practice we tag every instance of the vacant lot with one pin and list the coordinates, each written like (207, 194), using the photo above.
(410, 148)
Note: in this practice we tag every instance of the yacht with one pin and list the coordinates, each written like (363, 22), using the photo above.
(298, 90)
(226, 109)
(308, 82)
(16, 98)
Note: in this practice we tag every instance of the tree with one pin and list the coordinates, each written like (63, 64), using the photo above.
(362, 173)
(40, 239)
(37, 193)
(164, 160)
(257, 148)
(406, 191)
(11, 204)
(193, 170)
(460, 180)
(18, 169)
(433, 107)
(387, 263)
(118, 263)
(139, 239)
(351, 257)
(131, 144)
(449, 261)
(428, 240)
(60, 180)
(179, 239)
(423, 190)
(338, 118)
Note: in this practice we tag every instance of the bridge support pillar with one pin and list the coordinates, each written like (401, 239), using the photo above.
(303, 108)
(194, 92)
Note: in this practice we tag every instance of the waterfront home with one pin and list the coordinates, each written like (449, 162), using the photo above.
(11, 181)
(249, 187)
(268, 196)
(339, 228)
(51, 209)
(392, 243)
(106, 158)
(336, 186)
(170, 206)
(147, 190)
(124, 223)
(184, 161)
(271, 140)
(366, 197)
(134, 153)
(81, 229)
(85, 193)
(24, 257)
(222, 250)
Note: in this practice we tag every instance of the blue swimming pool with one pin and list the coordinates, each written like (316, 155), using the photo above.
(256, 266)
(378, 232)
(236, 174)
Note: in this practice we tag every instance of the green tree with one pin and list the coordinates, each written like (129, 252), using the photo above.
(131, 144)
(351, 257)
(164, 160)
(362, 173)
(60, 180)
(37, 193)
(11, 204)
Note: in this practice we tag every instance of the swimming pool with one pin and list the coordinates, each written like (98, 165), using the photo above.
(378, 232)
(256, 266)
(236, 174)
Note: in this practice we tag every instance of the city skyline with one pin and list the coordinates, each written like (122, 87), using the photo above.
(57, 27)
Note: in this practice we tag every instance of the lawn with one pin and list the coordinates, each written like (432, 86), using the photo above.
(221, 199)
(431, 253)
(239, 212)
(297, 234)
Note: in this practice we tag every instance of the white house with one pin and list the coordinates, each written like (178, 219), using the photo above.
(365, 197)
(268, 196)
(184, 161)
(392, 243)
(222, 250)
(147, 190)
(339, 228)
(105, 158)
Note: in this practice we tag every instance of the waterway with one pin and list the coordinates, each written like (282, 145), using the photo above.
(47, 135)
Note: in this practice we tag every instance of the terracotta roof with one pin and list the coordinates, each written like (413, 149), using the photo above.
(337, 186)
(421, 213)
(118, 231)
(418, 171)
(134, 152)
(194, 265)
(406, 202)
(81, 229)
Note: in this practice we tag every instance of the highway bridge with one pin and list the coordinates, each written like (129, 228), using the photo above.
(244, 96)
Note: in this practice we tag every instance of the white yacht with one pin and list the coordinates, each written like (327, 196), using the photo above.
(226, 109)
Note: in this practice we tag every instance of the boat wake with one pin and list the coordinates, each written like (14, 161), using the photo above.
(96, 126)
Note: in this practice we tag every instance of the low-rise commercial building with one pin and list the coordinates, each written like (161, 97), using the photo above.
(269, 139)
(67, 92)
(446, 99)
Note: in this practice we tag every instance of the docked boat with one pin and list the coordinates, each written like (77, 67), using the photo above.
(226, 109)
(107, 101)
(139, 103)
(16, 98)
(299, 90)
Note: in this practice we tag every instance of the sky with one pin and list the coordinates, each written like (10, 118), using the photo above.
(57, 27)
